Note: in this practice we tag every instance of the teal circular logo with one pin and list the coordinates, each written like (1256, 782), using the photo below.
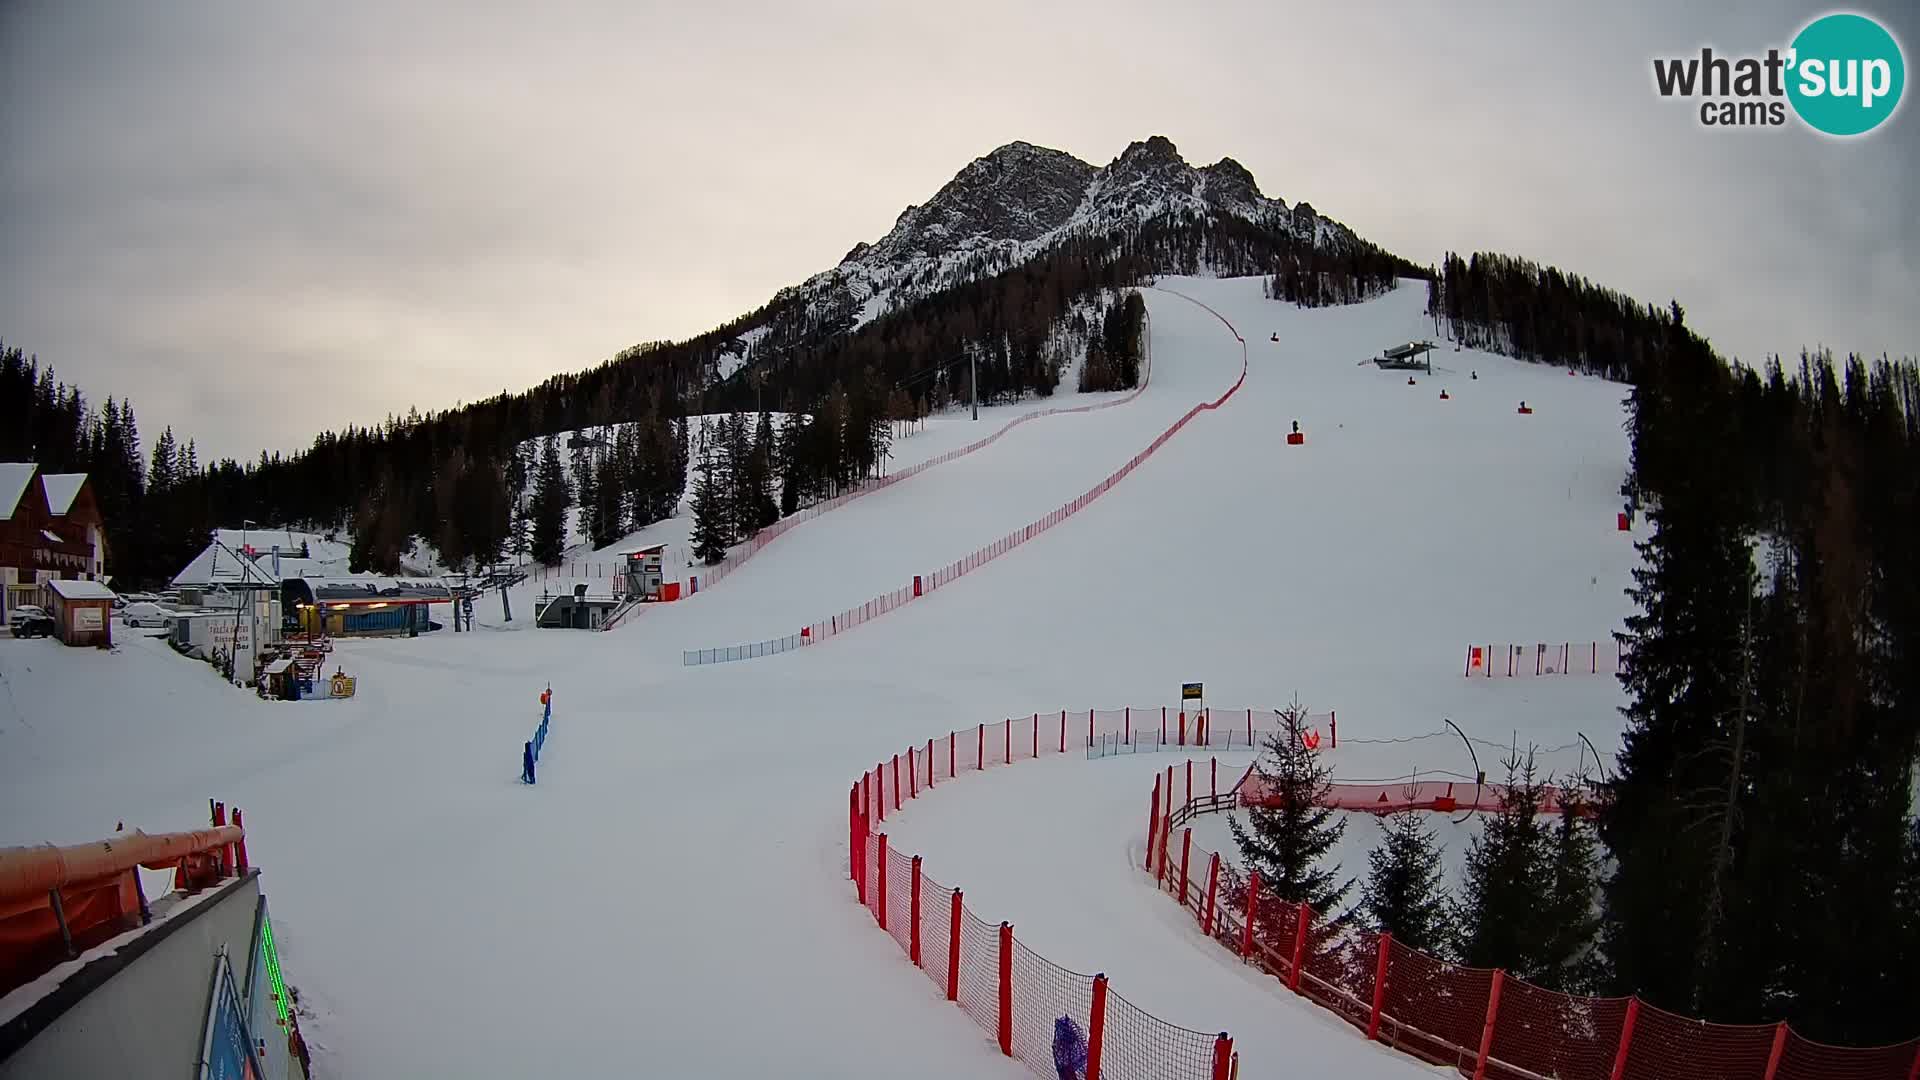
(1847, 74)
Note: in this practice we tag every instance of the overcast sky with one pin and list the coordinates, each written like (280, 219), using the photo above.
(262, 223)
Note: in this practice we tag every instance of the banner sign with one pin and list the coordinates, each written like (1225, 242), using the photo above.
(1190, 691)
(227, 1052)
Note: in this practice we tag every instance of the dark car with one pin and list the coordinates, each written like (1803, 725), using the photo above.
(28, 620)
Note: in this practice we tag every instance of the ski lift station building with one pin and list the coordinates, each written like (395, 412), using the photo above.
(1412, 356)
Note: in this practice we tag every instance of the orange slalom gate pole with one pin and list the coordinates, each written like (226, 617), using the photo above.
(1097, 1026)
(1213, 892)
(954, 918)
(1222, 1057)
(881, 865)
(1006, 989)
(1299, 947)
(1253, 907)
(913, 932)
(1379, 986)
(1486, 1033)
(1626, 1041)
(1779, 1043)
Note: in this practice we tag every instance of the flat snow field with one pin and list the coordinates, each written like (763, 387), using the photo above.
(671, 897)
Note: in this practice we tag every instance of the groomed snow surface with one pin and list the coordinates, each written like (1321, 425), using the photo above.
(672, 897)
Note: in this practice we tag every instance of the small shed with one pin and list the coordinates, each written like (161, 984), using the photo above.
(82, 612)
(644, 572)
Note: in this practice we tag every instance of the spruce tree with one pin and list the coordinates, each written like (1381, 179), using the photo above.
(1570, 917)
(1288, 836)
(550, 502)
(1500, 919)
(710, 535)
(1404, 893)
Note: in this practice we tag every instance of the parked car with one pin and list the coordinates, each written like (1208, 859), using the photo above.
(123, 599)
(29, 620)
(146, 613)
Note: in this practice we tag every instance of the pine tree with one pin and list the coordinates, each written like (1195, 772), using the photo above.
(1500, 919)
(1404, 893)
(1570, 915)
(710, 536)
(1289, 835)
(550, 502)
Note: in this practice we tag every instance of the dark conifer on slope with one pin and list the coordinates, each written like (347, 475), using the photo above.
(551, 498)
(1404, 893)
(711, 514)
(1499, 918)
(1289, 841)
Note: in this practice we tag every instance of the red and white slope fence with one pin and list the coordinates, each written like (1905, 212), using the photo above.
(1513, 661)
(922, 584)
(1483, 1022)
(1034, 1010)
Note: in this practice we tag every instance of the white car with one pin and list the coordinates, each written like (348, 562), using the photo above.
(146, 613)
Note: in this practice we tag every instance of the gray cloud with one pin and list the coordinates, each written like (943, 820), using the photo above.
(263, 223)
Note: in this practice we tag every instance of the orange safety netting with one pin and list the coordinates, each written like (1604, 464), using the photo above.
(1440, 1011)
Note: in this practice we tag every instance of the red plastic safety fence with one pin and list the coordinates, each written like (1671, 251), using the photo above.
(1440, 1011)
(846, 620)
(1017, 997)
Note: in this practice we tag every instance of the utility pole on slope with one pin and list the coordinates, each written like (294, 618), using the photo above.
(973, 378)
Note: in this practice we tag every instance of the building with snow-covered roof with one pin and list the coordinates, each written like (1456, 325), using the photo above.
(82, 612)
(50, 528)
(363, 605)
(262, 558)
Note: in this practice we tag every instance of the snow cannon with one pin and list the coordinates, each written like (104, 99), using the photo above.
(1524, 410)
(1296, 437)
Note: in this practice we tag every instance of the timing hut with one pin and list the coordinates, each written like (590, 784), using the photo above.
(1412, 356)
(643, 575)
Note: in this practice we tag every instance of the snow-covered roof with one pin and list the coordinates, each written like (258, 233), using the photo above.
(224, 562)
(14, 478)
(67, 589)
(61, 488)
(45, 535)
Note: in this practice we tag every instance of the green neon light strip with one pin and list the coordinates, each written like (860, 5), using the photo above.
(273, 968)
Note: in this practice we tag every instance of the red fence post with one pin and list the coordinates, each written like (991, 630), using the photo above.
(1626, 1040)
(1036, 736)
(1213, 892)
(1063, 731)
(1379, 986)
(913, 932)
(896, 781)
(1249, 728)
(1183, 727)
(1096, 1026)
(1333, 728)
(1253, 906)
(1126, 725)
(980, 759)
(930, 769)
(1089, 727)
(880, 772)
(1008, 734)
(1153, 822)
(1186, 852)
(1166, 828)
(954, 918)
(1486, 1033)
(1006, 989)
(913, 776)
(1299, 947)
(881, 863)
(1163, 725)
(951, 766)
(1222, 1057)
(1779, 1042)
(239, 846)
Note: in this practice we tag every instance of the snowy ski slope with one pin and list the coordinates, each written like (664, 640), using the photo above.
(671, 898)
